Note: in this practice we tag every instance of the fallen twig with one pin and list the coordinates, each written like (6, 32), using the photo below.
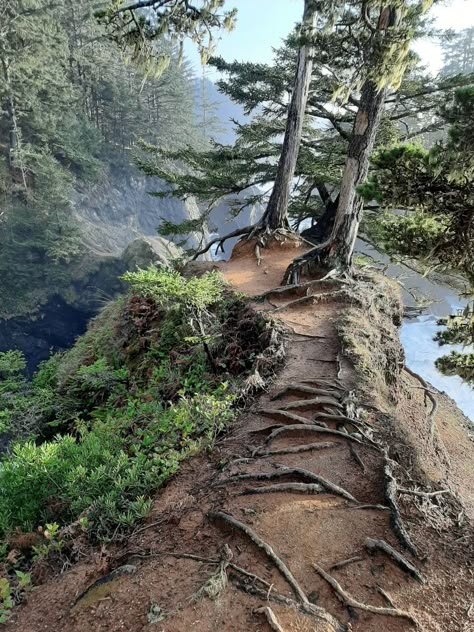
(350, 602)
(351, 560)
(374, 544)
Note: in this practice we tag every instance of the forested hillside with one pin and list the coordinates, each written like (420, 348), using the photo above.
(73, 112)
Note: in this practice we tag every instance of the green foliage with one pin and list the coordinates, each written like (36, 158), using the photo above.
(436, 187)
(12, 592)
(70, 106)
(457, 363)
(345, 56)
(169, 288)
(135, 395)
(178, 20)
(6, 601)
(459, 328)
(110, 469)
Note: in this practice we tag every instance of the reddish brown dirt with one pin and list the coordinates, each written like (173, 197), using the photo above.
(302, 529)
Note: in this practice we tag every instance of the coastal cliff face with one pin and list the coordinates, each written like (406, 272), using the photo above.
(119, 208)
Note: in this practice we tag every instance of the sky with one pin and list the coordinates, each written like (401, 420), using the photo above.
(263, 24)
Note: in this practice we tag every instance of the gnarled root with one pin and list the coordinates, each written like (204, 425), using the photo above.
(391, 489)
(308, 609)
(310, 390)
(266, 548)
(303, 428)
(324, 297)
(350, 602)
(310, 403)
(284, 471)
(298, 488)
(380, 545)
(296, 449)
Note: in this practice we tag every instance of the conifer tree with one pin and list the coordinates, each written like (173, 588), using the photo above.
(384, 30)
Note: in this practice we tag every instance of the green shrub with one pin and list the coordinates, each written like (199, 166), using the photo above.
(145, 387)
(110, 469)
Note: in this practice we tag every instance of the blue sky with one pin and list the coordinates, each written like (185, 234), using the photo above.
(262, 24)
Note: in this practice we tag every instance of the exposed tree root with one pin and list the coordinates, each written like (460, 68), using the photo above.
(217, 582)
(305, 428)
(334, 384)
(429, 395)
(308, 609)
(204, 560)
(278, 412)
(328, 486)
(304, 388)
(386, 596)
(391, 489)
(351, 560)
(328, 279)
(270, 553)
(299, 488)
(324, 297)
(309, 403)
(356, 457)
(296, 449)
(380, 545)
(379, 507)
(271, 618)
(284, 471)
(350, 602)
(221, 240)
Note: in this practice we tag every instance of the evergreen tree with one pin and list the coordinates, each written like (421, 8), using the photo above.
(235, 171)
(68, 104)
(436, 188)
(384, 31)
(458, 53)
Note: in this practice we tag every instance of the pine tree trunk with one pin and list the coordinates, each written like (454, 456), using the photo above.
(276, 214)
(349, 210)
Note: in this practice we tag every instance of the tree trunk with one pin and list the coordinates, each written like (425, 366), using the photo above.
(276, 214)
(349, 210)
(337, 252)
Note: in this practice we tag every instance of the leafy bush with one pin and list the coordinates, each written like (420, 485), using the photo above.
(110, 469)
(136, 394)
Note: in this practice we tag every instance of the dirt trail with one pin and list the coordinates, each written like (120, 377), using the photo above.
(315, 517)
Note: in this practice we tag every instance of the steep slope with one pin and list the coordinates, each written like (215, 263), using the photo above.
(338, 451)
